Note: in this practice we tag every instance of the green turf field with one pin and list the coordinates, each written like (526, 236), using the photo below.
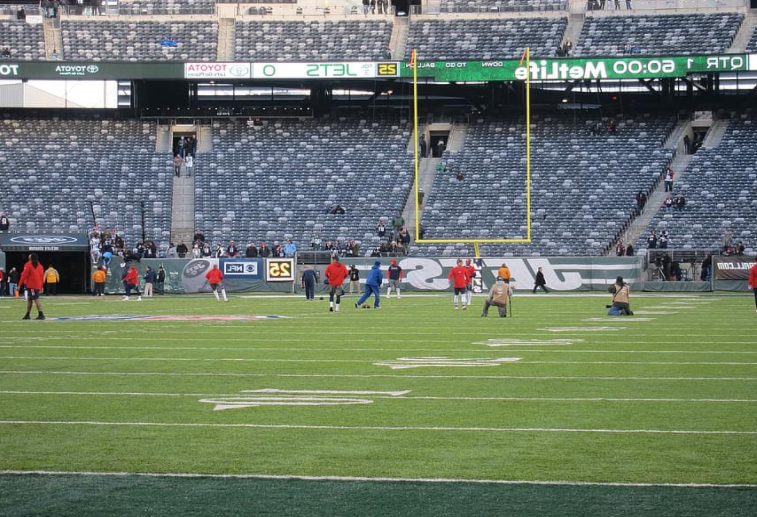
(412, 409)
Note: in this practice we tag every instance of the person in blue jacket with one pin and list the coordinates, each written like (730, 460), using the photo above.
(372, 286)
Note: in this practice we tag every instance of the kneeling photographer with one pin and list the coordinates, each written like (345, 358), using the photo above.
(621, 302)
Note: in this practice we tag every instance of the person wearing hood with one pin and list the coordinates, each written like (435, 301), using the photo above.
(394, 275)
(373, 286)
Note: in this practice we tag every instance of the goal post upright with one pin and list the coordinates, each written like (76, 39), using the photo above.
(525, 59)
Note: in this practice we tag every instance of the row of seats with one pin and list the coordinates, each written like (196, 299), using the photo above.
(366, 39)
(58, 172)
(582, 187)
(158, 7)
(278, 181)
(720, 188)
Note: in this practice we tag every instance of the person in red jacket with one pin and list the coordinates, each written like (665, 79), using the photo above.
(335, 275)
(753, 282)
(471, 269)
(215, 279)
(459, 277)
(131, 282)
(31, 279)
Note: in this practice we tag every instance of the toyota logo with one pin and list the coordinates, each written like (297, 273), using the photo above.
(93, 69)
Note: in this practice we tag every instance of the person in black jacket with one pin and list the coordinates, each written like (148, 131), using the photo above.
(160, 281)
(540, 282)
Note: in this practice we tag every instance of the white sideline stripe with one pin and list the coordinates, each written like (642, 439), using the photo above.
(378, 376)
(191, 475)
(493, 342)
(379, 427)
(379, 395)
(371, 361)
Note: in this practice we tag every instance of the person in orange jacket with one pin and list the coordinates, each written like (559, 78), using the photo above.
(215, 279)
(32, 280)
(51, 279)
(99, 277)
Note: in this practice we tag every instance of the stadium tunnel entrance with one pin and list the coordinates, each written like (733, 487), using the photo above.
(67, 253)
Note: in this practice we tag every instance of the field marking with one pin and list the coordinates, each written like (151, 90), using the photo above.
(582, 329)
(615, 319)
(377, 427)
(535, 342)
(400, 395)
(191, 475)
(226, 403)
(494, 342)
(643, 312)
(375, 376)
(669, 307)
(402, 363)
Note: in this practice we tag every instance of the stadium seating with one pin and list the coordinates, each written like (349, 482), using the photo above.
(156, 7)
(582, 187)
(470, 6)
(484, 38)
(681, 34)
(139, 41)
(752, 45)
(720, 188)
(24, 41)
(278, 181)
(56, 171)
(317, 40)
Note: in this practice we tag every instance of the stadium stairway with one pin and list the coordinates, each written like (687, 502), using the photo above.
(398, 39)
(575, 25)
(226, 34)
(679, 165)
(741, 40)
(183, 213)
(53, 39)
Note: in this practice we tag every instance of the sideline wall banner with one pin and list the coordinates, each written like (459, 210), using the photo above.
(733, 268)
(420, 273)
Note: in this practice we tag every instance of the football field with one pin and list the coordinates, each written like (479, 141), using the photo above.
(272, 405)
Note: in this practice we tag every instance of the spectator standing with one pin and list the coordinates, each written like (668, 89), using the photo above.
(422, 145)
(149, 278)
(620, 250)
(13, 278)
(98, 279)
(51, 281)
(686, 144)
(394, 274)
(668, 203)
(232, 250)
(354, 279)
(264, 251)
(381, 229)
(641, 201)
(680, 202)
(667, 174)
(366, 6)
(397, 222)
(251, 251)
(32, 280)
(308, 283)
(177, 162)
(652, 240)
(181, 249)
(160, 281)
(290, 248)
(727, 241)
(5, 223)
(630, 251)
(188, 164)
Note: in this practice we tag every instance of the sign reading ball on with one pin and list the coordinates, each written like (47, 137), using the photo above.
(279, 270)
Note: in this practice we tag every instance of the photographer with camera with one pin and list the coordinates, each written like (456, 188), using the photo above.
(621, 303)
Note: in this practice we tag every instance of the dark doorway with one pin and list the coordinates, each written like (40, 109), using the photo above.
(438, 143)
(73, 267)
(184, 143)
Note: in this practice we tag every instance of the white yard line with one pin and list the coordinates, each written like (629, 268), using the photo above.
(377, 395)
(191, 475)
(371, 361)
(377, 376)
(375, 428)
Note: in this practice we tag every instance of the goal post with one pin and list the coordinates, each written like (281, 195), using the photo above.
(525, 59)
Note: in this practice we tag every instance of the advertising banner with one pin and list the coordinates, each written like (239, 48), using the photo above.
(733, 268)
(44, 242)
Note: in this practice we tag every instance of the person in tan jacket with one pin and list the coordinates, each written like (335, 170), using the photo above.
(621, 298)
(499, 295)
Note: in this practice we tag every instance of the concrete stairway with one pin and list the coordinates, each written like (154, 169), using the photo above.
(53, 39)
(741, 40)
(226, 31)
(399, 37)
(183, 209)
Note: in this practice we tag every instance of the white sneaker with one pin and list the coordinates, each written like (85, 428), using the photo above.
(336, 310)
(139, 298)
(125, 299)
